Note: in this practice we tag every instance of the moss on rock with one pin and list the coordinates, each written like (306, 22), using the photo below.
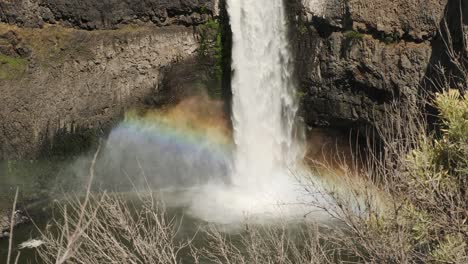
(12, 67)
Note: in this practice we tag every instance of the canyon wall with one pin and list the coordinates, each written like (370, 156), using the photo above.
(70, 68)
(355, 57)
(105, 14)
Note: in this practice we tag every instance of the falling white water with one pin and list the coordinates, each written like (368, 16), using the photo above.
(268, 152)
(264, 107)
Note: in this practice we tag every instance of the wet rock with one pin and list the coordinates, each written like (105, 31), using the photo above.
(4, 235)
(5, 223)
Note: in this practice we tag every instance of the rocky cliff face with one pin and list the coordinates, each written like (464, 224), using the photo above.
(91, 14)
(70, 69)
(355, 57)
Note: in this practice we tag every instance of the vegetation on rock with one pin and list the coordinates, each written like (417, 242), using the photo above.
(354, 35)
(12, 67)
(211, 51)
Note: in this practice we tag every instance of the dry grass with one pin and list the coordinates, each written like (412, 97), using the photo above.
(269, 244)
(111, 231)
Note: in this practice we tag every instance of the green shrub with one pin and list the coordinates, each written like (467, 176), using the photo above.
(439, 167)
(451, 250)
(204, 10)
(302, 27)
(438, 172)
(353, 35)
(211, 49)
(390, 38)
(210, 38)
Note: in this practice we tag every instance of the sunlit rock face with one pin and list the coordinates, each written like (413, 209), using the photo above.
(90, 14)
(85, 66)
(354, 58)
(70, 69)
(83, 85)
(316, 7)
(417, 19)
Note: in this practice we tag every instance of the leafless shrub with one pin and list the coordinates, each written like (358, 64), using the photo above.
(280, 244)
(115, 231)
(108, 228)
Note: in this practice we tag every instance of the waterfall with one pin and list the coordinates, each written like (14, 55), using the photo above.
(268, 150)
(264, 105)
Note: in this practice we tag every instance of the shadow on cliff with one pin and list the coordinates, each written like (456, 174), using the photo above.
(450, 27)
(183, 79)
(64, 144)
(441, 71)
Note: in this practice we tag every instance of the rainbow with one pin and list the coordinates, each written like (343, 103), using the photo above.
(183, 129)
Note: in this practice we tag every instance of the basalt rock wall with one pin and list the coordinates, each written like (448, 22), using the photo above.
(91, 14)
(354, 58)
(69, 69)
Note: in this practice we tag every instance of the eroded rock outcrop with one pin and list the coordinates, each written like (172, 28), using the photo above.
(104, 14)
(70, 69)
(355, 57)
